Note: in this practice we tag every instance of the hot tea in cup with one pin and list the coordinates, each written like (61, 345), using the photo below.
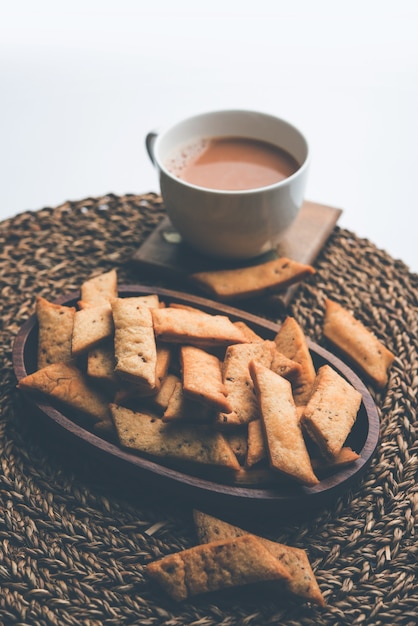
(232, 181)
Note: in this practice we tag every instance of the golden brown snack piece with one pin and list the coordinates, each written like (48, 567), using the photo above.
(357, 343)
(249, 333)
(331, 411)
(55, 323)
(135, 347)
(187, 307)
(68, 385)
(237, 439)
(302, 581)
(239, 384)
(217, 565)
(92, 325)
(190, 327)
(285, 367)
(165, 391)
(346, 456)
(256, 280)
(284, 439)
(100, 289)
(162, 364)
(291, 341)
(261, 476)
(202, 377)
(256, 445)
(101, 362)
(148, 434)
(182, 408)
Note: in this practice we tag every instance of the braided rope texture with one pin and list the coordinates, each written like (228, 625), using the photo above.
(74, 544)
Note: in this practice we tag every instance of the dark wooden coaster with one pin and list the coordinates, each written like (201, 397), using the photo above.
(164, 254)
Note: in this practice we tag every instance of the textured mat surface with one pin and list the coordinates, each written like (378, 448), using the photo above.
(74, 545)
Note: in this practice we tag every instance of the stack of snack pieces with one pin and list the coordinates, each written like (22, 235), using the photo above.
(174, 383)
(228, 556)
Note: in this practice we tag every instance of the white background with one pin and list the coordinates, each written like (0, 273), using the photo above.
(82, 82)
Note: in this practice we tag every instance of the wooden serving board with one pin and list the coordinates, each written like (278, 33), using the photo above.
(164, 254)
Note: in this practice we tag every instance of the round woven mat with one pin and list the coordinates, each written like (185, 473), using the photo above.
(73, 547)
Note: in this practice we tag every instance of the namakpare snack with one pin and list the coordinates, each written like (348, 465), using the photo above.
(182, 375)
(357, 343)
(249, 282)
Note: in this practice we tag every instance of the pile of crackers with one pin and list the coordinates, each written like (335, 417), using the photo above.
(228, 556)
(183, 386)
(177, 384)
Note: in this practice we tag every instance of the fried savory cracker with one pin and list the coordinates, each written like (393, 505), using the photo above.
(214, 566)
(256, 280)
(202, 377)
(187, 307)
(291, 341)
(256, 445)
(180, 407)
(285, 367)
(55, 324)
(331, 411)
(101, 362)
(284, 439)
(302, 581)
(100, 289)
(135, 347)
(250, 334)
(162, 365)
(238, 382)
(357, 343)
(68, 385)
(345, 457)
(237, 439)
(149, 435)
(191, 327)
(162, 397)
(91, 325)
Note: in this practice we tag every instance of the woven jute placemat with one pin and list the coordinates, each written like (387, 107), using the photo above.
(74, 544)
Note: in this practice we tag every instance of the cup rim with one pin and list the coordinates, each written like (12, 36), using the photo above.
(232, 192)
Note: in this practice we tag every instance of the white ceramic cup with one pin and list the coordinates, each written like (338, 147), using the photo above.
(230, 224)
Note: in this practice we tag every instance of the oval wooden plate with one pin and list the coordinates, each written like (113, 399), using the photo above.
(282, 498)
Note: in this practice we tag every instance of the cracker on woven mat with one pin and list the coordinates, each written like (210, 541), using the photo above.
(149, 435)
(331, 411)
(217, 565)
(69, 386)
(100, 289)
(55, 324)
(238, 382)
(202, 377)
(285, 444)
(291, 341)
(134, 342)
(92, 325)
(301, 582)
(256, 280)
(191, 327)
(357, 343)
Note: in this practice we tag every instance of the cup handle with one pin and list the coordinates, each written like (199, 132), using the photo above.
(149, 144)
